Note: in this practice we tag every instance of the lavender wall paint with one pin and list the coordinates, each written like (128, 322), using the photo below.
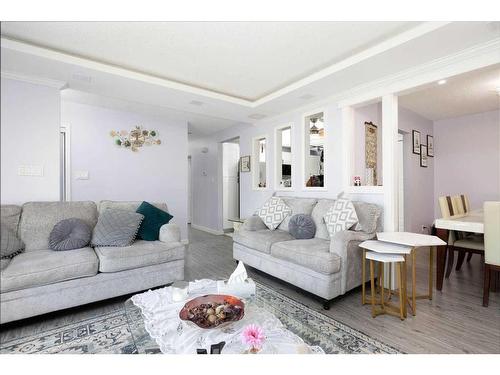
(418, 181)
(467, 157)
(155, 173)
(30, 120)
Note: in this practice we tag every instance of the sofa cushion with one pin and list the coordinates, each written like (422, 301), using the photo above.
(10, 245)
(318, 213)
(116, 228)
(298, 206)
(273, 212)
(313, 254)
(154, 218)
(4, 262)
(368, 215)
(70, 234)
(38, 220)
(139, 254)
(42, 267)
(10, 215)
(261, 240)
(302, 227)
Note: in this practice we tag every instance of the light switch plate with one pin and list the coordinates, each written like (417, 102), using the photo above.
(30, 170)
(82, 175)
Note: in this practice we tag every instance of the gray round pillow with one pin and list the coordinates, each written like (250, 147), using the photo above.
(302, 227)
(69, 234)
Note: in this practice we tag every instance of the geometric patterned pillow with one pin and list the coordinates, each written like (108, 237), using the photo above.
(341, 216)
(116, 228)
(273, 212)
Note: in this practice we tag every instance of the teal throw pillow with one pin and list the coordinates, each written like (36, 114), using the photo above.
(154, 218)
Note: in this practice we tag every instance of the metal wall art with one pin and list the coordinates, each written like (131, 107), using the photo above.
(135, 138)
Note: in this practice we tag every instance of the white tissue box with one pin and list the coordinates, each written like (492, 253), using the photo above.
(245, 289)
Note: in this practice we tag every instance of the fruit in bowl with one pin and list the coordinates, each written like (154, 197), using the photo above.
(213, 310)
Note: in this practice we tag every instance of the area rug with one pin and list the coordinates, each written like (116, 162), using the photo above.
(110, 333)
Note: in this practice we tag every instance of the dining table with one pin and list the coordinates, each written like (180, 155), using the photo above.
(472, 222)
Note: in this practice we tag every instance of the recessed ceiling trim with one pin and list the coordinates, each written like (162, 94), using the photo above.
(384, 46)
(34, 80)
(116, 70)
(476, 57)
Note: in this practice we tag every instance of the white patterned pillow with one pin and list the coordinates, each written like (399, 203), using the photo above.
(273, 212)
(341, 216)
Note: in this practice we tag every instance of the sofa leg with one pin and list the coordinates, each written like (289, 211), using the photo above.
(327, 304)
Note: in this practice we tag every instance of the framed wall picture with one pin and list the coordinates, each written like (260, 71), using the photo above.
(423, 156)
(430, 146)
(245, 163)
(416, 141)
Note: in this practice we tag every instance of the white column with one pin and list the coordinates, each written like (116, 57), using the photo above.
(389, 161)
(348, 146)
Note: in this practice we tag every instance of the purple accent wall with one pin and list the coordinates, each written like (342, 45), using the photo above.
(468, 158)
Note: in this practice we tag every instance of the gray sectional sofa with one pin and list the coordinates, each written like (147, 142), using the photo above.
(324, 266)
(41, 280)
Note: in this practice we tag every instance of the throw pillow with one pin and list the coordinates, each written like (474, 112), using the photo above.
(116, 228)
(302, 227)
(69, 234)
(154, 218)
(341, 216)
(273, 212)
(10, 245)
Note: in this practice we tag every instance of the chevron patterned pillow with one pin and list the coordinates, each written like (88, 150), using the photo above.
(341, 216)
(116, 228)
(273, 212)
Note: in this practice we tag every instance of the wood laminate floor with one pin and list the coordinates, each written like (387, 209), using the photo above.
(453, 322)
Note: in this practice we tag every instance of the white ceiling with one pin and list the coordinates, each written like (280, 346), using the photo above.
(208, 55)
(466, 94)
(243, 59)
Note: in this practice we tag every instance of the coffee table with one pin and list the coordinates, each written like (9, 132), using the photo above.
(154, 315)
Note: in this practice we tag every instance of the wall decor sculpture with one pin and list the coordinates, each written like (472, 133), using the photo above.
(135, 138)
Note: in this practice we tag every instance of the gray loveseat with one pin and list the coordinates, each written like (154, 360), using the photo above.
(324, 266)
(41, 280)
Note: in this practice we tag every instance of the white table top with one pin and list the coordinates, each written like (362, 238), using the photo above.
(385, 247)
(385, 258)
(472, 221)
(410, 239)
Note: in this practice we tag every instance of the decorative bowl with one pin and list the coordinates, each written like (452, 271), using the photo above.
(212, 311)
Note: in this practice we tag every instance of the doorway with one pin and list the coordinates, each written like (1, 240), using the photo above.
(190, 192)
(230, 183)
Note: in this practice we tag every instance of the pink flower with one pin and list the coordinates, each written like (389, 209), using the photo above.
(253, 336)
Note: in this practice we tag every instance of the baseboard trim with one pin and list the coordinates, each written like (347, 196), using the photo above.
(206, 229)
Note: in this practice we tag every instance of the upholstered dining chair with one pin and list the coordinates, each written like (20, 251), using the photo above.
(458, 241)
(491, 245)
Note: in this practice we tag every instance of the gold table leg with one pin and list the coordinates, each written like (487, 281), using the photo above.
(399, 275)
(372, 284)
(414, 282)
(363, 279)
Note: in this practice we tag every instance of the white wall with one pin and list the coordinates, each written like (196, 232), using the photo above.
(418, 181)
(30, 122)
(157, 173)
(467, 158)
(207, 167)
(230, 165)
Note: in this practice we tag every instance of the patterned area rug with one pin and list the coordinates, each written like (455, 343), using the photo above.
(111, 333)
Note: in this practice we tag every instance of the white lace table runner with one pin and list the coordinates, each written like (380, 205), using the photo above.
(174, 336)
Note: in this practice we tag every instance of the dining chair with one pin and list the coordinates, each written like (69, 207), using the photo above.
(491, 245)
(458, 241)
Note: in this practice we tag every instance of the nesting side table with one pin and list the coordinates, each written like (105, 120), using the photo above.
(414, 241)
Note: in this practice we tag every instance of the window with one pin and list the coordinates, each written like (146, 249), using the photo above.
(315, 145)
(284, 164)
(259, 163)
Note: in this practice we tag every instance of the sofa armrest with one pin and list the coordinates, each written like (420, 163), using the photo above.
(254, 223)
(345, 244)
(170, 233)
